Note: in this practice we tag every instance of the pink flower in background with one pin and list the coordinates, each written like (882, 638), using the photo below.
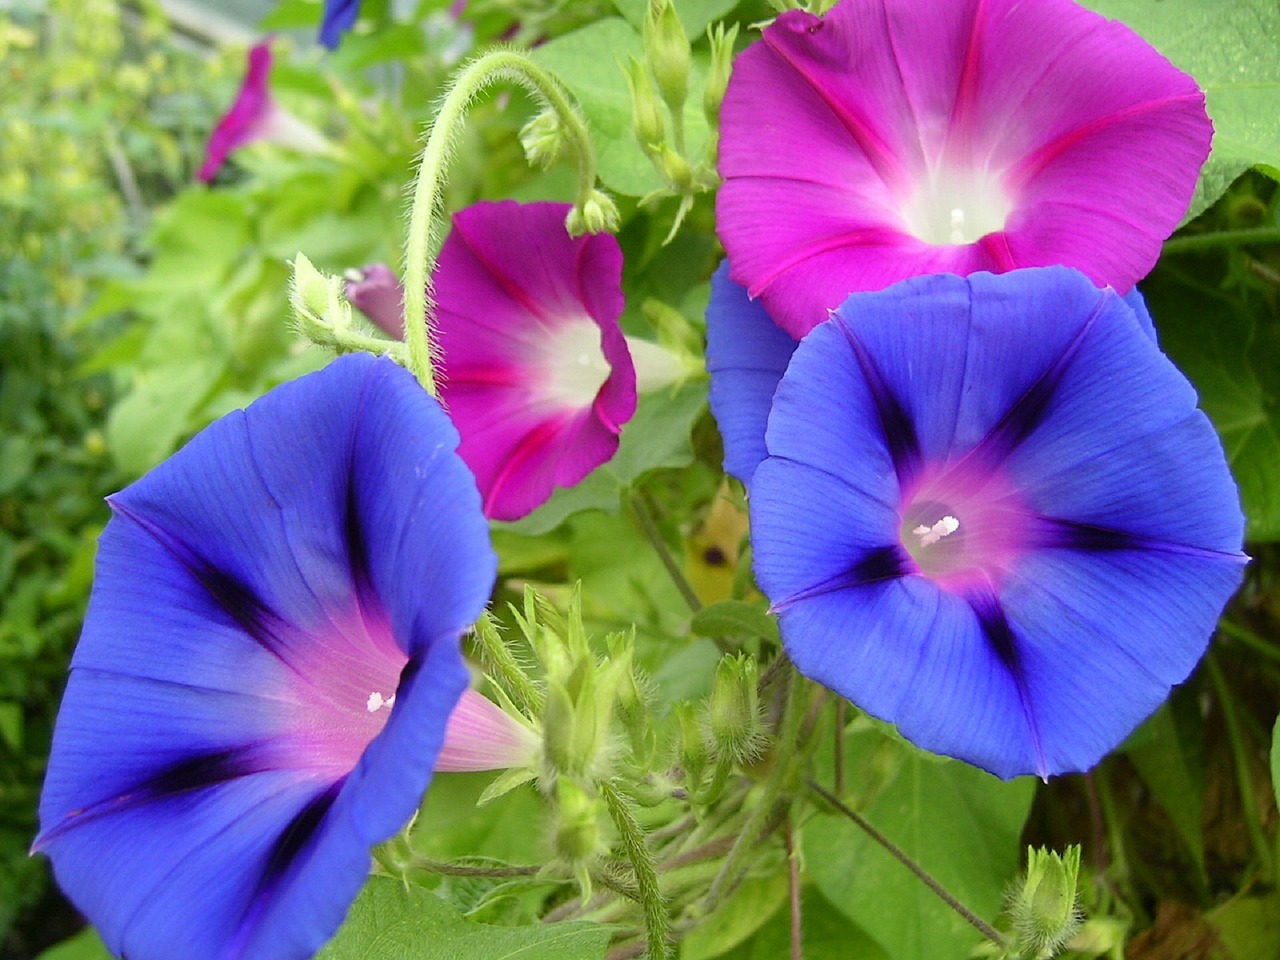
(376, 292)
(535, 371)
(878, 143)
(256, 116)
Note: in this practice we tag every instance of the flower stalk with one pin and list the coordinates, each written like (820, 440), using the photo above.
(592, 209)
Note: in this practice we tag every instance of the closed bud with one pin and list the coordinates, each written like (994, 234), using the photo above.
(578, 838)
(667, 48)
(597, 214)
(646, 115)
(317, 301)
(693, 747)
(1044, 909)
(721, 65)
(675, 170)
(542, 139)
(733, 720)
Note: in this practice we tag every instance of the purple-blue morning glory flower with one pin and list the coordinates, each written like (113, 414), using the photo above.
(339, 17)
(228, 749)
(747, 354)
(991, 514)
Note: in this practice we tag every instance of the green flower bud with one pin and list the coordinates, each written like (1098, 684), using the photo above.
(578, 838)
(693, 747)
(597, 215)
(733, 714)
(1044, 909)
(319, 306)
(675, 170)
(646, 115)
(721, 65)
(666, 46)
(542, 139)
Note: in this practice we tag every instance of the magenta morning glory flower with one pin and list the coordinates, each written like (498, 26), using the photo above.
(878, 143)
(535, 370)
(1016, 530)
(256, 116)
(268, 664)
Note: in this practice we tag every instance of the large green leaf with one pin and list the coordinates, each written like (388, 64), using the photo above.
(1229, 46)
(85, 945)
(1230, 352)
(961, 824)
(827, 935)
(392, 921)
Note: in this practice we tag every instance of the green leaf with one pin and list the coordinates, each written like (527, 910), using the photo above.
(694, 14)
(960, 824)
(1231, 356)
(1230, 48)
(657, 437)
(752, 904)
(734, 618)
(85, 945)
(588, 62)
(144, 427)
(1171, 771)
(390, 921)
(828, 934)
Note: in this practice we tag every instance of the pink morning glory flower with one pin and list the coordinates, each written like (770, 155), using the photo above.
(884, 141)
(990, 513)
(533, 367)
(270, 669)
(254, 116)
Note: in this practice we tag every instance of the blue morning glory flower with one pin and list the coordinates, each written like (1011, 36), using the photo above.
(747, 354)
(339, 17)
(990, 513)
(267, 666)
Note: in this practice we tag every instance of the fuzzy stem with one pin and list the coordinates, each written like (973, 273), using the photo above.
(488, 68)
(988, 931)
(657, 923)
(498, 658)
(755, 828)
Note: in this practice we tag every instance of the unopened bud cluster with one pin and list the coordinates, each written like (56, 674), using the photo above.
(659, 90)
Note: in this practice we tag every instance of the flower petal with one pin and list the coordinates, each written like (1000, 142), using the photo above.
(747, 354)
(243, 122)
(875, 144)
(1094, 528)
(339, 17)
(216, 779)
(536, 371)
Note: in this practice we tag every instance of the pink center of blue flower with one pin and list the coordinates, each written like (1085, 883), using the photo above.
(963, 527)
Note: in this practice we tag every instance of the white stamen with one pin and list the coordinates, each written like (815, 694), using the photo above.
(376, 702)
(931, 535)
(957, 225)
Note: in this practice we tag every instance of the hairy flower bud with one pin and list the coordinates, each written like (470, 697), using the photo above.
(721, 41)
(666, 47)
(1044, 909)
(733, 713)
(596, 215)
(646, 115)
(542, 139)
